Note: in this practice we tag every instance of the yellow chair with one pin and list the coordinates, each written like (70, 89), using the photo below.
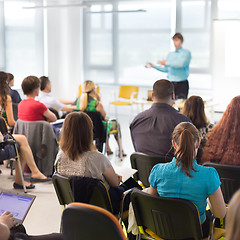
(126, 96)
(80, 90)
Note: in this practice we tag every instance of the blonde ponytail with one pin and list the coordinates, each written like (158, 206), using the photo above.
(87, 87)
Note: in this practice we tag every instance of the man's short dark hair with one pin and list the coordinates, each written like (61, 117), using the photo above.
(44, 81)
(162, 89)
(179, 36)
(29, 84)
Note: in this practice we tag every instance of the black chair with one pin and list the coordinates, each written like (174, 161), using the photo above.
(84, 221)
(229, 176)
(99, 134)
(168, 218)
(100, 196)
(144, 164)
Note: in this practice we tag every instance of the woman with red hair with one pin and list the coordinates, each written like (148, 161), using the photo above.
(223, 144)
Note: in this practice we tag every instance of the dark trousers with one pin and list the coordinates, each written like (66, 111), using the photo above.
(181, 89)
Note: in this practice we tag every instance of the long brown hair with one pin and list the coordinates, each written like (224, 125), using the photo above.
(194, 109)
(185, 135)
(77, 134)
(223, 144)
(233, 218)
(3, 89)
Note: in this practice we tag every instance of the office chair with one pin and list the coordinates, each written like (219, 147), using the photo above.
(229, 176)
(126, 96)
(84, 221)
(144, 164)
(166, 218)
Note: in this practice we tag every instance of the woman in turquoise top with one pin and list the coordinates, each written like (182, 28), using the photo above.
(90, 101)
(184, 178)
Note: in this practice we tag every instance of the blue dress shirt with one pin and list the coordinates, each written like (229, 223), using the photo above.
(177, 65)
(170, 181)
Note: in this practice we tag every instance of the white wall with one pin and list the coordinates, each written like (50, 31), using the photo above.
(64, 41)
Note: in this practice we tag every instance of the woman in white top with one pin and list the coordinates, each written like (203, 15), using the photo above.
(77, 156)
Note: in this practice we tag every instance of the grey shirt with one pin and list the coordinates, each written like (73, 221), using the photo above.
(152, 129)
(90, 164)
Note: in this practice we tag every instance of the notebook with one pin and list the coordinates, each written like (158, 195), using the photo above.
(17, 204)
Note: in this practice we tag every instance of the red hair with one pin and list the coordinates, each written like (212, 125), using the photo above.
(223, 144)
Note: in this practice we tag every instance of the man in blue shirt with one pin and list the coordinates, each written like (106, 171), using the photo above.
(177, 67)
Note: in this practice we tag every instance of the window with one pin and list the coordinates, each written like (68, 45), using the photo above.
(23, 39)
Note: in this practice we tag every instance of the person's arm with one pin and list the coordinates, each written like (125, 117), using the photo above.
(50, 116)
(100, 109)
(153, 191)
(111, 177)
(69, 108)
(66, 102)
(6, 222)
(179, 60)
(9, 112)
(217, 206)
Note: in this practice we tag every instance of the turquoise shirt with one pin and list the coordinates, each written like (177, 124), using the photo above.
(177, 65)
(171, 181)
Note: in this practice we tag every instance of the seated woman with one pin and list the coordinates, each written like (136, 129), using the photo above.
(223, 144)
(25, 150)
(194, 109)
(233, 218)
(29, 109)
(91, 101)
(184, 178)
(13, 93)
(77, 156)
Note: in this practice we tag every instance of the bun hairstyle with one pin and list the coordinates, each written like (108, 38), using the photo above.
(87, 87)
(185, 135)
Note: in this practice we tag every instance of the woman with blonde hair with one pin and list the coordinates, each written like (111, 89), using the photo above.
(184, 178)
(25, 150)
(90, 101)
(233, 218)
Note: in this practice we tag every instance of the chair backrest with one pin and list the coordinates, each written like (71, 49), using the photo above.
(43, 143)
(84, 221)
(144, 164)
(3, 125)
(63, 189)
(230, 178)
(128, 92)
(169, 218)
(100, 196)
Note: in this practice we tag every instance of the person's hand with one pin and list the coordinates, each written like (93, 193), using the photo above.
(162, 62)
(7, 219)
(148, 65)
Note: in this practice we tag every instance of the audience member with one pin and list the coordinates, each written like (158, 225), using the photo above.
(77, 156)
(233, 218)
(151, 130)
(6, 223)
(194, 109)
(223, 144)
(25, 150)
(13, 93)
(90, 101)
(49, 101)
(184, 178)
(29, 109)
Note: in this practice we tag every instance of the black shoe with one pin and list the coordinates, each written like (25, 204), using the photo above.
(39, 180)
(19, 186)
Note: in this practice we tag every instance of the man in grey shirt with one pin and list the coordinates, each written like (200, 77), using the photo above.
(152, 129)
